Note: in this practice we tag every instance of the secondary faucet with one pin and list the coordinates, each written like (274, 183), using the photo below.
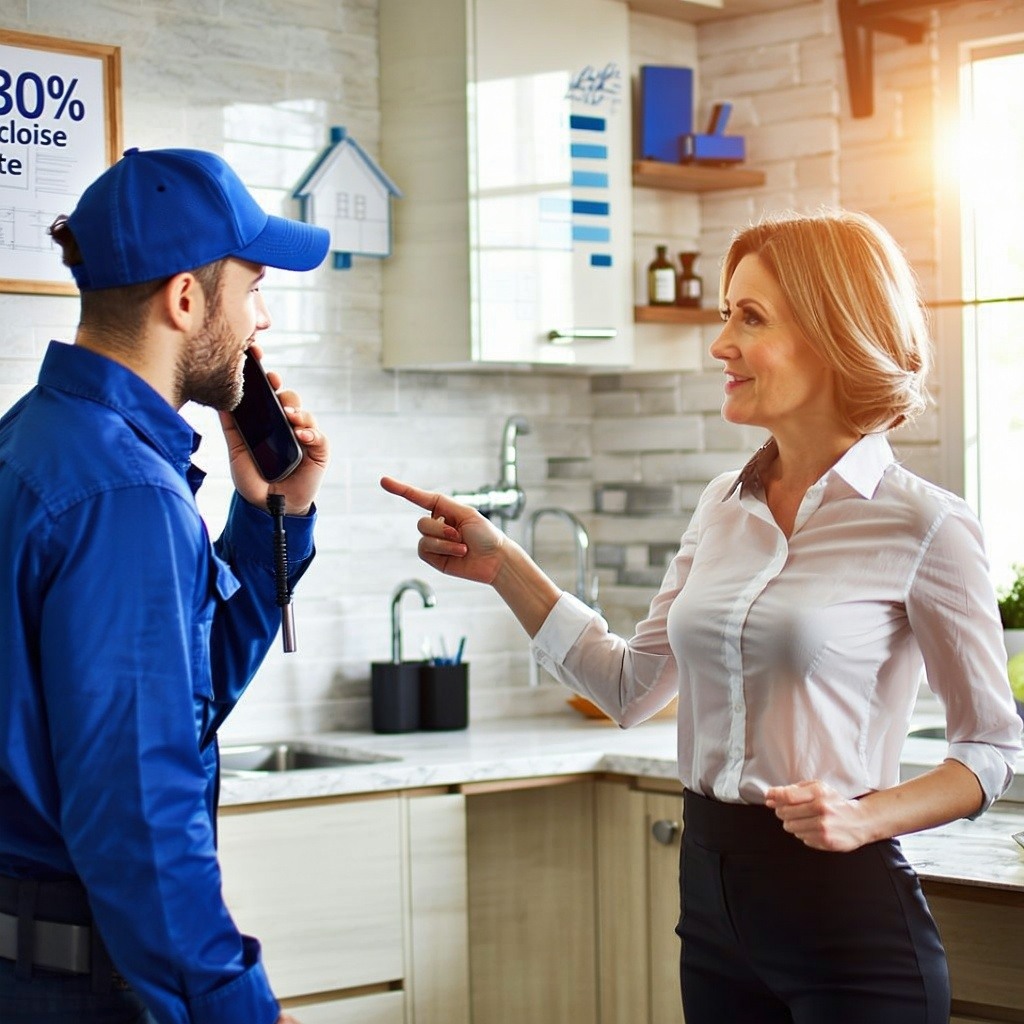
(505, 499)
(586, 589)
(429, 600)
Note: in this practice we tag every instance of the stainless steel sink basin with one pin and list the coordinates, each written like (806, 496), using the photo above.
(293, 756)
(930, 732)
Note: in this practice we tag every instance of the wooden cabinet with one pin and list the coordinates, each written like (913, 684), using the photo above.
(532, 917)
(508, 129)
(541, 900)
(321, 887)
(573, 904)
(360, 904)
(379, 1008)
(980, 929)
(637, 842)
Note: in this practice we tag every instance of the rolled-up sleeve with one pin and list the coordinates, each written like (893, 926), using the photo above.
(953, 612)
(630, 680)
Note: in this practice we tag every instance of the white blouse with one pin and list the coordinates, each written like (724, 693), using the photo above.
(801, 659)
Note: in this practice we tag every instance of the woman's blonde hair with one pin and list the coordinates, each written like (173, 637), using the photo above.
(855, 298)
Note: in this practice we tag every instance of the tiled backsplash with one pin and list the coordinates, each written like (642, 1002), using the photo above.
(263, 82)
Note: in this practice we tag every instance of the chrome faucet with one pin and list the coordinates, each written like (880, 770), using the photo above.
(429, 600)
(505, 499)
(586, 581)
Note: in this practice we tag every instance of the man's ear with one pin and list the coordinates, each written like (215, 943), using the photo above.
(183, 302)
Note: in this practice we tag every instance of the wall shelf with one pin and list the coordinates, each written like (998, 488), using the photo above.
(675, 315)
(693, 177)
(703, 10)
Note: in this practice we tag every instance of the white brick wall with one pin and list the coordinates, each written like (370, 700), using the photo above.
(785, 76)
(263, 81)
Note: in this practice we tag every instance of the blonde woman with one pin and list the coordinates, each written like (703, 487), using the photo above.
(809, 592)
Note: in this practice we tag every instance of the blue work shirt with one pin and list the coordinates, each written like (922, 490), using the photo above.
(126, 637)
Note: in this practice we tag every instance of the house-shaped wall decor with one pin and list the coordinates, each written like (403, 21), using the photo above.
(347, 193)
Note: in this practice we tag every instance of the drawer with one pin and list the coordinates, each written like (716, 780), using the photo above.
(381, 1008)
(321, 887)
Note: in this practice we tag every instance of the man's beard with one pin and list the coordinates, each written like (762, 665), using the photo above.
(211, 370)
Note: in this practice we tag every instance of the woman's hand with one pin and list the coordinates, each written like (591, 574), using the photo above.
(817, 815)
(458, 541)
(454, 539)
(820, 817)
(302, 485)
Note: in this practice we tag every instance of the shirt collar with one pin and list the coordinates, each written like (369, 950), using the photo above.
(79, 371)
(861, 466)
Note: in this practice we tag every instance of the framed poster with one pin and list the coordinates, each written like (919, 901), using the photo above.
(60, 128)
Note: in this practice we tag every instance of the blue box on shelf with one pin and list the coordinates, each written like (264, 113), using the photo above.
(666, 111)
(713, 146)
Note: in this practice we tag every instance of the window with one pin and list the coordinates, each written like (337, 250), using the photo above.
(990, 156)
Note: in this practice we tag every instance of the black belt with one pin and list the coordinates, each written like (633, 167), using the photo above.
(49, 925)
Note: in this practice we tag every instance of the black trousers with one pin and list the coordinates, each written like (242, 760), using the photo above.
(774, 932)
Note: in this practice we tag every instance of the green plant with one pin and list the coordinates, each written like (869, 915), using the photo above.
(1011, 601)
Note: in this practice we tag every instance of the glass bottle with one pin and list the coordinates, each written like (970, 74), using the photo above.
(689, 286)
(661, 279)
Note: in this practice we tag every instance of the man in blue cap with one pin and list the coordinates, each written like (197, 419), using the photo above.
(126, 636)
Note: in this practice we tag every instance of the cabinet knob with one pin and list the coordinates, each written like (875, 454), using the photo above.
(665, 831)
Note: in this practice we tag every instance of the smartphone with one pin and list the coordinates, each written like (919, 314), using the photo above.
(263, 425)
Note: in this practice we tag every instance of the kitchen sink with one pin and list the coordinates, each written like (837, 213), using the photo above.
(930, 732)
(293, 756)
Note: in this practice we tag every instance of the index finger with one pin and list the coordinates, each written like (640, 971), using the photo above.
(425, 499)
(797, 793)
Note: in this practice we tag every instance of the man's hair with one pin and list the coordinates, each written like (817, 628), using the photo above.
(855, 298)
(118, 314)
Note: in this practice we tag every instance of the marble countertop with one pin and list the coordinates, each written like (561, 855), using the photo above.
(980, 852)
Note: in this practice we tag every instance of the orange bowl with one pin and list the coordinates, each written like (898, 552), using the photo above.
(586, 708)
(589, 709)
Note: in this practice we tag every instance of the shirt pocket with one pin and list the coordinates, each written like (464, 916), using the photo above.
(219, 585)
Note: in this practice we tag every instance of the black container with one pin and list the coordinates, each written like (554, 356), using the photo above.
(444, 696)
(395, 695)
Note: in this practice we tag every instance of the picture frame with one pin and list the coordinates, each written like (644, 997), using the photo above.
(60, 128)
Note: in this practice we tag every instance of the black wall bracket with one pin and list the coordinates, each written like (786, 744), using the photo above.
(859, 20)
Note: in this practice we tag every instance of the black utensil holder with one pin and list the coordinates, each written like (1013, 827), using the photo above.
(444, 696)
(395, 695)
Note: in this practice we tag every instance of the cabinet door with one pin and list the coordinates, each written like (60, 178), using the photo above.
(531, 905)
(980, 930)
(507, 127)
(437, 979)
(321, 887)
(550, 182)
(379, 1008)
(638, 905)
(663, 812)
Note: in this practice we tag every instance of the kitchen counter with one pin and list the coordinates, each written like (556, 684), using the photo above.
(979, 853)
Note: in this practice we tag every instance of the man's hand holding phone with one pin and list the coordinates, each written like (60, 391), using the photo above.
(265, 439)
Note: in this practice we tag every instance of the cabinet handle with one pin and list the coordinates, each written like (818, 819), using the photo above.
(665, 831)
(581, 334)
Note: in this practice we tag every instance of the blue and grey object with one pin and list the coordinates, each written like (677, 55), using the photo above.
(713, 146)
(666, 111)
(588, 144)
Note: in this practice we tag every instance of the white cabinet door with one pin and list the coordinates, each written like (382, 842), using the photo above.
(321, 887)
(380, 1008)
(550, 182)
(507, 126)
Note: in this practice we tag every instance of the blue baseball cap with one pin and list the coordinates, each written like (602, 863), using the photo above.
(159, 212)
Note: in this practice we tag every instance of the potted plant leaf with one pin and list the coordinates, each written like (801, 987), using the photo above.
(1011, 612)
